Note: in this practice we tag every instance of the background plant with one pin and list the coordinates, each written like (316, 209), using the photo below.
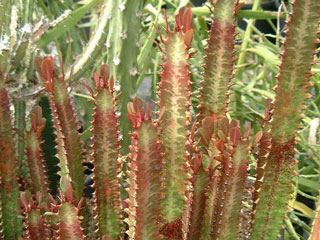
(120, 38)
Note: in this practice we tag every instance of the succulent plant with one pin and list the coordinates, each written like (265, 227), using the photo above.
(184, 176)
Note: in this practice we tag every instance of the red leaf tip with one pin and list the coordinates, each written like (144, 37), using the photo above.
(136, 113)
(197, 162)
(48, 72)
(184, 20)
(184, 24)
(104, 80)
(67, 195)
(37, 121)
(105, 71)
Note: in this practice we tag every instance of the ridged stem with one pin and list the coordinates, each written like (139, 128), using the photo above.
(38, 176)
(68, 221)
(57, 87)
(145, 171)
(11, 225)
(106, 159)
(200, 193)
(291, 93)
(5, 11)
(174, 97)
(34, 222)
(263, 141)
(232, 154)
(218, 68)
(20, 124)
(49, 145)
(122, 50)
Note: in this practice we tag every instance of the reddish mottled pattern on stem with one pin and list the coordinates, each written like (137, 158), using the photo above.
(36, 228)
(218, 67)
(174, 96)
(263, 140)
(230, 150)
(7, 151)
(281, 164)
(34, 155)
(105, 156)
(225, 175)
(211, 201)
(282, 152)
(264, 149)
(68, 123)
(7, 168)
(9, 189)
(172, 230)
(69, 223)
(199, 182)
(295, 69)
(146, 166)
(4, 110)
(231, 218)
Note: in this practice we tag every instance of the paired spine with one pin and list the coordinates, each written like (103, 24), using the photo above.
(218, 67)
(66, 119)
(106, 157)
(38, 176)
(174, 97)
(145, 175)
(34, 221)
(69, 224)
(229, 154)
(291, 92)
(11, 225)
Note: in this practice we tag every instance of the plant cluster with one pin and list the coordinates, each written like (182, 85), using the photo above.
(187, 172)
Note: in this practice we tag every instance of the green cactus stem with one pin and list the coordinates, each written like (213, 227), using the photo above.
(11, 225)
(59, 144)
(227, 153)
(144, 175)
(105, 157)
(49, 145)
(34, 222)
(38, 175)
(69, 223)
(218, 68)
(174, 96)
(61, 151)
(232, 153)
(20, 124)
(5, 10)
(122, 50)
(61, 102)
(263, 142)
(291, 93)
(199, 182)
(206, 134)
(211, 202)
